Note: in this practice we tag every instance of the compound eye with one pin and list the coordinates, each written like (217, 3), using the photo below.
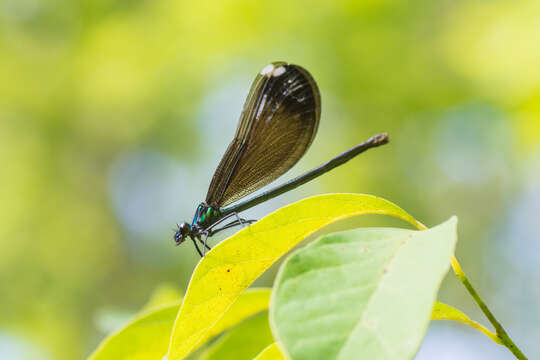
(178, 238)
(184, 229)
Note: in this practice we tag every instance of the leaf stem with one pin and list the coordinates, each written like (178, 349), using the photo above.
(499, 330)
(501, 334)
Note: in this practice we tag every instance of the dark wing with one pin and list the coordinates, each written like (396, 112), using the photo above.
(278, 123)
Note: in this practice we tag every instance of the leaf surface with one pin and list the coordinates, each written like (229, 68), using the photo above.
(243, 342)
(271, 352)
(231, 266)
(442, 311)
(361, 294)
(147, 336)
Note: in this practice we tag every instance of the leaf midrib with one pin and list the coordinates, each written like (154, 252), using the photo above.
(377, 286)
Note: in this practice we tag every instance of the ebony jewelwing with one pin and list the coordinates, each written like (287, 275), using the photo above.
(278, 123)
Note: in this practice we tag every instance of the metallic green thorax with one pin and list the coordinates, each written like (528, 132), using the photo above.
(205, 216)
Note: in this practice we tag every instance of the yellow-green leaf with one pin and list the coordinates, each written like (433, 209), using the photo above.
(226, 271)
(243, 342)
(144, 338)
(361, 294)
(443, 311)
(249, 303)
(271, 352)
(148, 335)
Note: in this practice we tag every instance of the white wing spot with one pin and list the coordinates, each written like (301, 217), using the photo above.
(279, 71)
(267, 70)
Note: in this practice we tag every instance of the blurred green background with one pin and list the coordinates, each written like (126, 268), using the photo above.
(114, 114)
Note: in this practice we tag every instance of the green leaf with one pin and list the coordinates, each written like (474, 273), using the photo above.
(144, 338)
(226, 271)
(271, 352)
(243, 342)
(148, 335)
(249, 303)
(361, 294)
(443, 311)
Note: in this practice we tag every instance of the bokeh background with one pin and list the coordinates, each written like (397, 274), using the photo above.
(114, 115)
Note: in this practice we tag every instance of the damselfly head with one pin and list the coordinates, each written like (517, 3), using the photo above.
(181, 233)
